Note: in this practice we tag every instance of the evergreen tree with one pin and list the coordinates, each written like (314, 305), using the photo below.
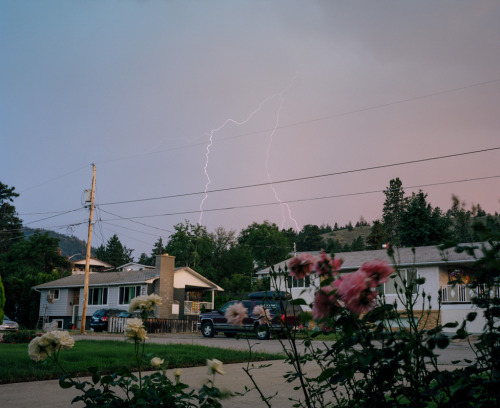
(422, 225)
(309, 238)
(377, 237)
(114, 253)
(358, 244)
(28, 263)
(10, 224)
(333, 246)
(394, 206)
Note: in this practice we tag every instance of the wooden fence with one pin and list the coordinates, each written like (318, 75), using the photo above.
(117, 325)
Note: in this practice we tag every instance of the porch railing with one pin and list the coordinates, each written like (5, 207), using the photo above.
(194, 308)
(465, 293)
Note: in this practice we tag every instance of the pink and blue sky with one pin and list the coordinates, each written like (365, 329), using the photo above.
(278, 90)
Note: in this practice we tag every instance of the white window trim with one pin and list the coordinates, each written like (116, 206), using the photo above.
(406, 277)
(90, 297)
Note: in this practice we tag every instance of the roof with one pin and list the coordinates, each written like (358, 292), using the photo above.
(419, 256)
(133, 266)
(93, 261)
(102, 278)
(117, 279)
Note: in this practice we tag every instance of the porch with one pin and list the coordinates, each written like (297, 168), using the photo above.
(465, 293)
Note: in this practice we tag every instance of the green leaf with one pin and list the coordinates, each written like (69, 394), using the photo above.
(298, 301)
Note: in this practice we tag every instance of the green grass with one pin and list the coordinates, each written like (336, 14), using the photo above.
(109, 355)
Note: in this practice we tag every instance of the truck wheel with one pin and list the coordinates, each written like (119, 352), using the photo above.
(207, 329)
(262, 332)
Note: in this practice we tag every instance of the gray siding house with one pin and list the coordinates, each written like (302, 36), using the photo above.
(181, 289)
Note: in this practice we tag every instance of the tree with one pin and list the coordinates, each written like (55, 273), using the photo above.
(309, 238)
(461, 220)
(394, 206)
(378, 236)
(268, 245)
(28, 263)
(422, 225)
(192, 246)
(10, 224)
(358, 244)
(333, 246)
(114, 252)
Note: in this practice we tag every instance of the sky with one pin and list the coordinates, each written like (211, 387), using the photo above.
(289, 111)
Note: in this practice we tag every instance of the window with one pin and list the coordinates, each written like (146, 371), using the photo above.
(54, 294)
(98, 296)
(127, 293)
(299, 283)
(409, 275)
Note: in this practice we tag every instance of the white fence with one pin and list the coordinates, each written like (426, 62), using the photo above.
(117, 325)
(464, 293)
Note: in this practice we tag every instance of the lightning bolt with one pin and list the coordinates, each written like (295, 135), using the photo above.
(210, 142)
(282, 204)
(240, 123)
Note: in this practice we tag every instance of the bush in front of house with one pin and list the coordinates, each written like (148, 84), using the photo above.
(20, 336)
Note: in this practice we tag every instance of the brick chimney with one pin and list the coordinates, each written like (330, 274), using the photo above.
(166, 264)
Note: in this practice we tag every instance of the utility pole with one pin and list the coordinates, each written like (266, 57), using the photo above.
(87, 258)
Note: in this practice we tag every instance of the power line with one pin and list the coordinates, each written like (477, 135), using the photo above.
(307, 177)
(53, 216)
(300, 200)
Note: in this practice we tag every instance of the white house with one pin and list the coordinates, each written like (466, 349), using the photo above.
(181, 290)
(428, 262)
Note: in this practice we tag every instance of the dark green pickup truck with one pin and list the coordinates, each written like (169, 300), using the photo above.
(284, 316)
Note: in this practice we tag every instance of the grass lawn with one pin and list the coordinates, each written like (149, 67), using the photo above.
(108, 355)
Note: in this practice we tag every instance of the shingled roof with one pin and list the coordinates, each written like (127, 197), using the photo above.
(419, 256)
(103, 278)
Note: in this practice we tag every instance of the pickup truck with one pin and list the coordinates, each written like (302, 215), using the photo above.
(284, 316)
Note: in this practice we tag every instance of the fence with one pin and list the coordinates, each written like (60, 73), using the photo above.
(464, 293)
(117, 325)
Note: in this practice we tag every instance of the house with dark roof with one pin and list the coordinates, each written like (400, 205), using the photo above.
(429, 262)
(182, 290)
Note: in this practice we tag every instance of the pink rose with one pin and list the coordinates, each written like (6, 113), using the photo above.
(324, 302)
(378, 270)
(263, 314)
(356, 292)
(301, 265)
(235, 314)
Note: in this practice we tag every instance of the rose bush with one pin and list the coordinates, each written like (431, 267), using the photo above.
(385, 356)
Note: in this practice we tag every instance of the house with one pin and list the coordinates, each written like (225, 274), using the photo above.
(437, 267)
(95, 265)
(133, 266)
(181, 289)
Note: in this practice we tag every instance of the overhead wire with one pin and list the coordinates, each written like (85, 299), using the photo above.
(297, 200)
(382, 166)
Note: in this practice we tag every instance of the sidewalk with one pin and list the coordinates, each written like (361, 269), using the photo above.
(48, 394)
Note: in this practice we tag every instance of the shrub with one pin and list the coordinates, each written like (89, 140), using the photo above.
(21, 336)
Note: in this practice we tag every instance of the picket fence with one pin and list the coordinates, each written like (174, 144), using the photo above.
(117, 325)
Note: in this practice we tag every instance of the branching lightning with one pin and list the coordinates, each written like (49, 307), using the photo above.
(240, 123)
(283, 205)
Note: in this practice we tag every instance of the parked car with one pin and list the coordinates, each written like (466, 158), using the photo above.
(99, 320)
(284, 316)
(8, 324)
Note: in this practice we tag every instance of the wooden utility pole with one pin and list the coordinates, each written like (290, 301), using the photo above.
(87, 258)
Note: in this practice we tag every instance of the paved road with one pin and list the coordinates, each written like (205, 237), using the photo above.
(457, 350)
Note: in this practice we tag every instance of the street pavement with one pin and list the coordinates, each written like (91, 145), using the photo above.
(48, 394)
